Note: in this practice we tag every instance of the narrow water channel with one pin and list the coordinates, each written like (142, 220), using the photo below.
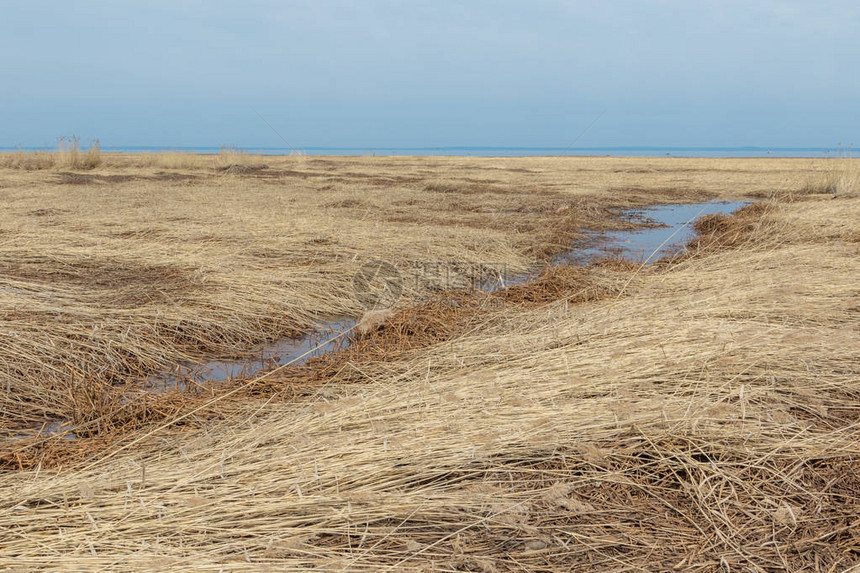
(667, 227)
(322, 340)
(662, 231)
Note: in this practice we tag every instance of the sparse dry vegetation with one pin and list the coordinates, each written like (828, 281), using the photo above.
(835, 176)
(174, 160)
(699, 414)
(69, 155)
(28, 161)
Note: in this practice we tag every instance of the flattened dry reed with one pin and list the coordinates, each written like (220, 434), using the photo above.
(109, 275)
(706, 421)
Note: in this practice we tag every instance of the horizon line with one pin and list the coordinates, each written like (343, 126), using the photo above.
(448, 147)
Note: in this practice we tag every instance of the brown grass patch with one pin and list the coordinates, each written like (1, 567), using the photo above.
(727, 231)
(563, 283)
(468, 188)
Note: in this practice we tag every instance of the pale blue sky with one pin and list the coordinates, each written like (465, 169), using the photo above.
(379, 73)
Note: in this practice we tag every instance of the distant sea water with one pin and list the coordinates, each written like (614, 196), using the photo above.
(503, 151)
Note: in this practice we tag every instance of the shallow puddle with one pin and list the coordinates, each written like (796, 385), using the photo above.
(47, 428)
(288, 350)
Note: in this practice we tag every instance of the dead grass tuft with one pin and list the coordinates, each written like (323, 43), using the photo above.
(838, 176)
(173, 160)
(28, 161)
(721, 231)
(71, 156)
(564, 283)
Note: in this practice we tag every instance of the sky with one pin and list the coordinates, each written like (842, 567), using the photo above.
(435, 73)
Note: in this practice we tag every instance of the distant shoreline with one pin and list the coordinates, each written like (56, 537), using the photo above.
(467, 151)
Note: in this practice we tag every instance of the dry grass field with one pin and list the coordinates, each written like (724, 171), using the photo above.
(698, 414)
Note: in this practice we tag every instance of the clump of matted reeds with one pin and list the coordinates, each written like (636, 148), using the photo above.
(715, 231)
